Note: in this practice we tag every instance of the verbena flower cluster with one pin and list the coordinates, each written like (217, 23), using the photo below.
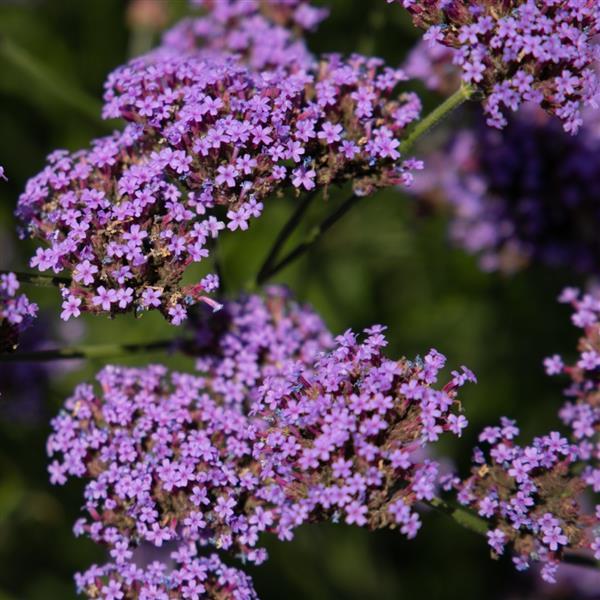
(529, 193)
(281, 424)
(171, 458)
(208, 141)
(538, 51)
(17, 312)
(190, 576)
(533, 495)
(264, 35)
(246, 135)
(254, 338)
(582, 412)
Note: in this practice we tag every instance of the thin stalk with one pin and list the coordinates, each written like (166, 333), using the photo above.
(49, 81)
(435, 116)
(268, 270)
(314, 235)
(39, 279)
(284, 235)
(99, 351)
(473, 522)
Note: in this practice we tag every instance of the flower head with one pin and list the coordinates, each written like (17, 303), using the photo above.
(538, 51)
(526, 194)
(271, 434)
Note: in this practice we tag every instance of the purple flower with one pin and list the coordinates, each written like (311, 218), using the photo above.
(104, 298)
(518, 52)
(205, 130)
(524, 195)
(304, 178)
(553, 365)
(496, 540)
(70, 307)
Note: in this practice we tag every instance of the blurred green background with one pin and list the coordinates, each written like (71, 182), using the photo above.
(384, 263)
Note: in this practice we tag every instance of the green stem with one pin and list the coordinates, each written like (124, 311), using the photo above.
(434, 117)
(40, 280)
(422, 127)
(49, 81)
(100, 351)
(283, 237)
(312, 238)
(473, 522)
(462, 516)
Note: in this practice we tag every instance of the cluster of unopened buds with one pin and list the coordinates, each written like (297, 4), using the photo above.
(515, 52)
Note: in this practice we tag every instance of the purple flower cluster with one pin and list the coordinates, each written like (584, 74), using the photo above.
(207, 142)
(265, 34)
(530, 496)
(17, 312)
(581, 413)
(534, 51)
(245, 135)
(254, 338)
(189, 576)
(533, 495)
(174, 458)
(529, 193)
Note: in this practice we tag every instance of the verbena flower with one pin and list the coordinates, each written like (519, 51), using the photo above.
(188, 576)
(264, 34)
(174, 457)
(538, 51)
(263, 132)
(533, 495)
(210, 140)
(529, 193)
(17, 312)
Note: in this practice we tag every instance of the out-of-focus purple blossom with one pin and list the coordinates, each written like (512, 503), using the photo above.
(17, 312)
(187, 458)
(264, 33)
(432, 63)
(529, 193)
(520, 51)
